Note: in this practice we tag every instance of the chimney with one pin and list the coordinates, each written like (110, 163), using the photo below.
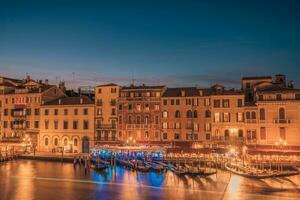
(59, 101)
(27, 78)
(280, 79)
(201, 93)
(62, 86)
(40, 81)
(81, 100)
(182, 93)
(46, 82)
(40, 89)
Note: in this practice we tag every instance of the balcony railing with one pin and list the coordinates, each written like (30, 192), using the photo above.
(282, 121)
(106, 126)
(105, 139)
(141, 126)
(11, 139)
(250, 121)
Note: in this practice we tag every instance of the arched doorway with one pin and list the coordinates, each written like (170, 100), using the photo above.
(85, 144)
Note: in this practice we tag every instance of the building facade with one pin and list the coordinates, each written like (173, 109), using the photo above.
(106, 97)
(67, 124)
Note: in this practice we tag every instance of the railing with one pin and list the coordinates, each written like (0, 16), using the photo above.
(282, 121)
(141, 126)
(11, 139)
(105, 139)
(106, 126)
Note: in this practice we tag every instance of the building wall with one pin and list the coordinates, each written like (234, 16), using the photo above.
(106, 97)
(71, 133)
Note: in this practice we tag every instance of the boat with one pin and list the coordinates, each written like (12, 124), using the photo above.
(125, 163)
(177, 169)
(259, 174)
(99, 166)
(155, 167)
(141, 166)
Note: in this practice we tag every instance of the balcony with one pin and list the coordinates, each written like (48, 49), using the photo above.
(142, 126)
(99, 103)
(106, 126)
(11, 139)
(282, 121)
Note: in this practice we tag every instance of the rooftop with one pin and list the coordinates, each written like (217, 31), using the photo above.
(70, 101)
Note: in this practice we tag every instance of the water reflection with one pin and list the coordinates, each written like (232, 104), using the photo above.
(28, 180)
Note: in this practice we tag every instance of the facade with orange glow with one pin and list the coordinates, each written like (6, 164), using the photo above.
(139, 114)
(20, 108)
(67, 123)
(106, 97)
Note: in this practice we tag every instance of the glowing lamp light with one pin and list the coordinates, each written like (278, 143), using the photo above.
(232, 150)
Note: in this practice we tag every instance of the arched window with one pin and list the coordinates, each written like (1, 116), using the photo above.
(281, 113)
(253, 115)
(262, 114)
(55, 142)
(207, 114)
(129, 119)
(165, 114)
(146, 134)
(75, 142)
(195, 114)
(177, 114)
(189, 114)
(46, 141)
(65, 142)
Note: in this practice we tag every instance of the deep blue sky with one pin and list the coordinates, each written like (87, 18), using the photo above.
(157, 42)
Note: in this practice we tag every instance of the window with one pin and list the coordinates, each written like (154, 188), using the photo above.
(156, 107)
(195, 114)
(207, 136)
(5, 124)
(278, 97)
(177, 102)
(75, 111)
(27, 124)
(55, 111)
(253, 115)
(217, 117)
(75, 124)
(240, 103)
(240, 133)
(146, 119)
(5, 112)
(165, 125)
(46, 141)
(217, 103)
(262, 115)
(85, 124)
(248, 115)
(207, 114)
(28, 111)
(138, 107)
(99, 91)
(120, 119)
(65, 124)
(65, 142)
(36, 111)
(189, 114)
(177, 114)
(75, 142)
(226, 134)
(46, 112)
(129, 119)
(281, 113)
(36, 124)
(225, 103)
(147, 106)
(207, 102)
(120, 106)
(65, 111)
(263, 133)
(55, 141)
(240, 117)
(165, 102)
(113, 111)
(176, 136)
(177, 125)
(55, 124)
(282, 133)
(146, 134)
(156, 119)
(85, 111)
(113, 90)
(138, 119)
(207, 127)
(46, 124)
(165, 136)
(129, 106)
(165, 114)
(172, 102)
(226, 117)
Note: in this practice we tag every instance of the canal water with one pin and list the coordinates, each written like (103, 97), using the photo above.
(42, 180)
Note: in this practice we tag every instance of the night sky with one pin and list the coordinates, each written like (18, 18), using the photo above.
(178, 43)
